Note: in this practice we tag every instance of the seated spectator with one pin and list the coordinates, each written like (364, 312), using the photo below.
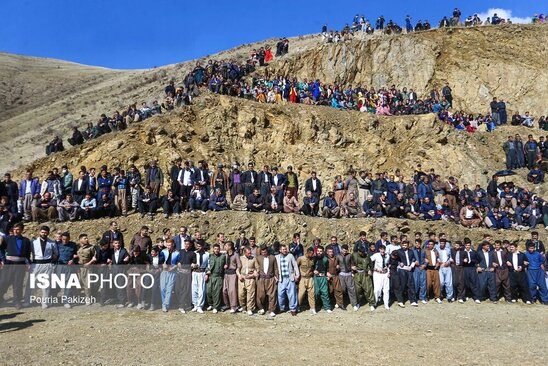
(145, 110)
(55, 146)
(255, 202)
(516, 119)
(507, 198)
(535, 175)
(512, 220)
(68, 209)
(77, 137)
(447, 213)
(527, 120)
(103, 125)
(470, 216)
(217, 201)
(350, 207)
(497, 220)
(8, 215)
(310, 205)
(429, 210)
(524, 216)
(106, 207)
(290, 203)
(537, 212)
(412, 209)
(330, 208)
(272, 201)
(371, 208)
(397, 207)
(198, 198)
(45, 208)
(88, 206)
(146, 203)
(240, 202)
(171, 204)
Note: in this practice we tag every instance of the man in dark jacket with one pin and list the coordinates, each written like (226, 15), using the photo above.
(147, 203)
(272, 202)
(77, 137)
(255, 202)
(314, 185)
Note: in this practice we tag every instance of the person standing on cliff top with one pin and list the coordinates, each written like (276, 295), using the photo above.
(447, 93)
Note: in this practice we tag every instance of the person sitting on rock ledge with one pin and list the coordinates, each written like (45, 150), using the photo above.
(171, 204)
(535, 175)
(255, 201)
(217, 201)
(470, 216)
(77, 137)
(239, 201)
(272, 202)
(330, 207)
(55, 146)
(310, 205)
(147, 203)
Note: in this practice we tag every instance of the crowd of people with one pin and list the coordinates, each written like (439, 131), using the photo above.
(217, 75)
(60, 196)
(386, 101)
(539, 18)
(528, 154)
(185, 272)
(360, 24)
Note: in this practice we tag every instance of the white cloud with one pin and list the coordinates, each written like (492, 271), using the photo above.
(504, 14)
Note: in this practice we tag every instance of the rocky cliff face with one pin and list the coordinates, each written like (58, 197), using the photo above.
(478, 63)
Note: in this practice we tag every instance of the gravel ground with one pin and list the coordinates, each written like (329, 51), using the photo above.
(486, 334)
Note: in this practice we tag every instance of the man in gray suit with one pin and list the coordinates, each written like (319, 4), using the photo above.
(289, 275)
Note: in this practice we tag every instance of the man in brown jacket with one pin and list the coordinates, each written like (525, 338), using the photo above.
(266, 283)
(306, 282)
(452, 192)
(335, 289)
(247, 276)
(432, 260)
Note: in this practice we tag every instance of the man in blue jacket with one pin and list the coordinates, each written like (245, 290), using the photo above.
(535, 275)
(419, 274)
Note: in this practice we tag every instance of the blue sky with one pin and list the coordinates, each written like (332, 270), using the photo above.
(141, 34)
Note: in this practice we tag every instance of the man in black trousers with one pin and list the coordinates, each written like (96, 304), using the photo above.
(470, 263)
(518, 277)
(406, 267)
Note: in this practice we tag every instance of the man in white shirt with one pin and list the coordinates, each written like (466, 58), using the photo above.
(120, 258)
(44, 253)
(199, 277)
(381, 280)
(186, 181)
(446, 275)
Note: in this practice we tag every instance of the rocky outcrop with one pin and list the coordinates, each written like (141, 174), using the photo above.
(478, 63)
(224, 130)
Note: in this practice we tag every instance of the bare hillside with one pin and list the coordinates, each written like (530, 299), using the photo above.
(27, 83)
(45, 97)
